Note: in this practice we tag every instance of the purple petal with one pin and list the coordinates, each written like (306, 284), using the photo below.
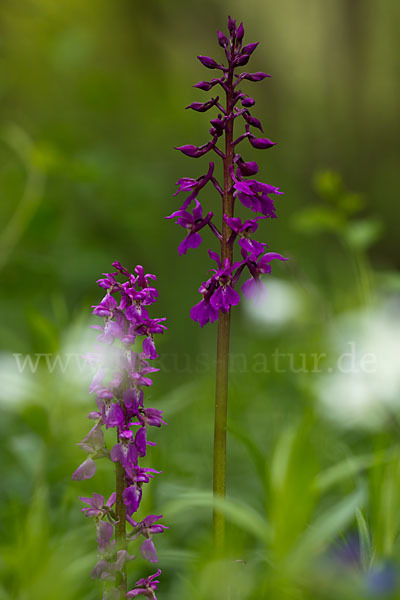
(203, 313)
(232, 296)
(203, 106)
(102, 570)
(183, 214)
(252, 246)
(240, 33)
(222, 39)
(224, 297)
(111, 501)
(93, 441)
(154, 417)
(132, 496)
(208, 62)
(234, 223)
(264, 261)
(137, 592)
(252, 121)
(206, 85)
(247, 102)
(261, 143)
(252, 288)
(104, 534)
(244, 187)
(247, 168)
(193, 240)
(216, 257)
(115, 417)
(131, 399)
(197, 211)
(259, 76)
(123, 557)
(149, 348)
(140, 441)
(231, 25)
(148, 551)
(266, 207)
(97, 501)
(85, 471)
(150, 519)
(242, 60)
(116, 453)
(195, 151)
(249, 49)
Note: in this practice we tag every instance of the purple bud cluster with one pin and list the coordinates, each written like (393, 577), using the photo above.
(123, 374)
(218, 293)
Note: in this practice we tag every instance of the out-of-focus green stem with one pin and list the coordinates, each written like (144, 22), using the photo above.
(17, 139)
(120, 528)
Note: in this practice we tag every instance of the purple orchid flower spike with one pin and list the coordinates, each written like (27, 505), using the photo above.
(118, 385)
(219, 292)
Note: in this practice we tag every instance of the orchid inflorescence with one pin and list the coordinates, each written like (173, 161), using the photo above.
(219, 292)
(119, 384)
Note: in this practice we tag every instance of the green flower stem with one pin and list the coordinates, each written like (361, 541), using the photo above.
(221, 392)
(120, 527)
(221, 405)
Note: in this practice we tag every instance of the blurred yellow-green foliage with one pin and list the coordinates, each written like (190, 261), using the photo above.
(93, 96)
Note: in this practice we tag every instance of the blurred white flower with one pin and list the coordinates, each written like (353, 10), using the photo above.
(279, 304)
(16, 386)
(364, 388)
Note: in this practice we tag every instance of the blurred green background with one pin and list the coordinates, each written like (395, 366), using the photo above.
(93, 96)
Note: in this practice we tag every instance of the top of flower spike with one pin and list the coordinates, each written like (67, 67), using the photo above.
(235, 53)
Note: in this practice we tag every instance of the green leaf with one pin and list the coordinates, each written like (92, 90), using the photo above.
(328, 184)
(242, 515)
(365, 541)
(362, 234)
(248, 442)
(346, 469)
(351, 202)
(318, 219)
(325, 528)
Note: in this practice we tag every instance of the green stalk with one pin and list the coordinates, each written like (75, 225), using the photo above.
(221, 391)
(120, 527)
